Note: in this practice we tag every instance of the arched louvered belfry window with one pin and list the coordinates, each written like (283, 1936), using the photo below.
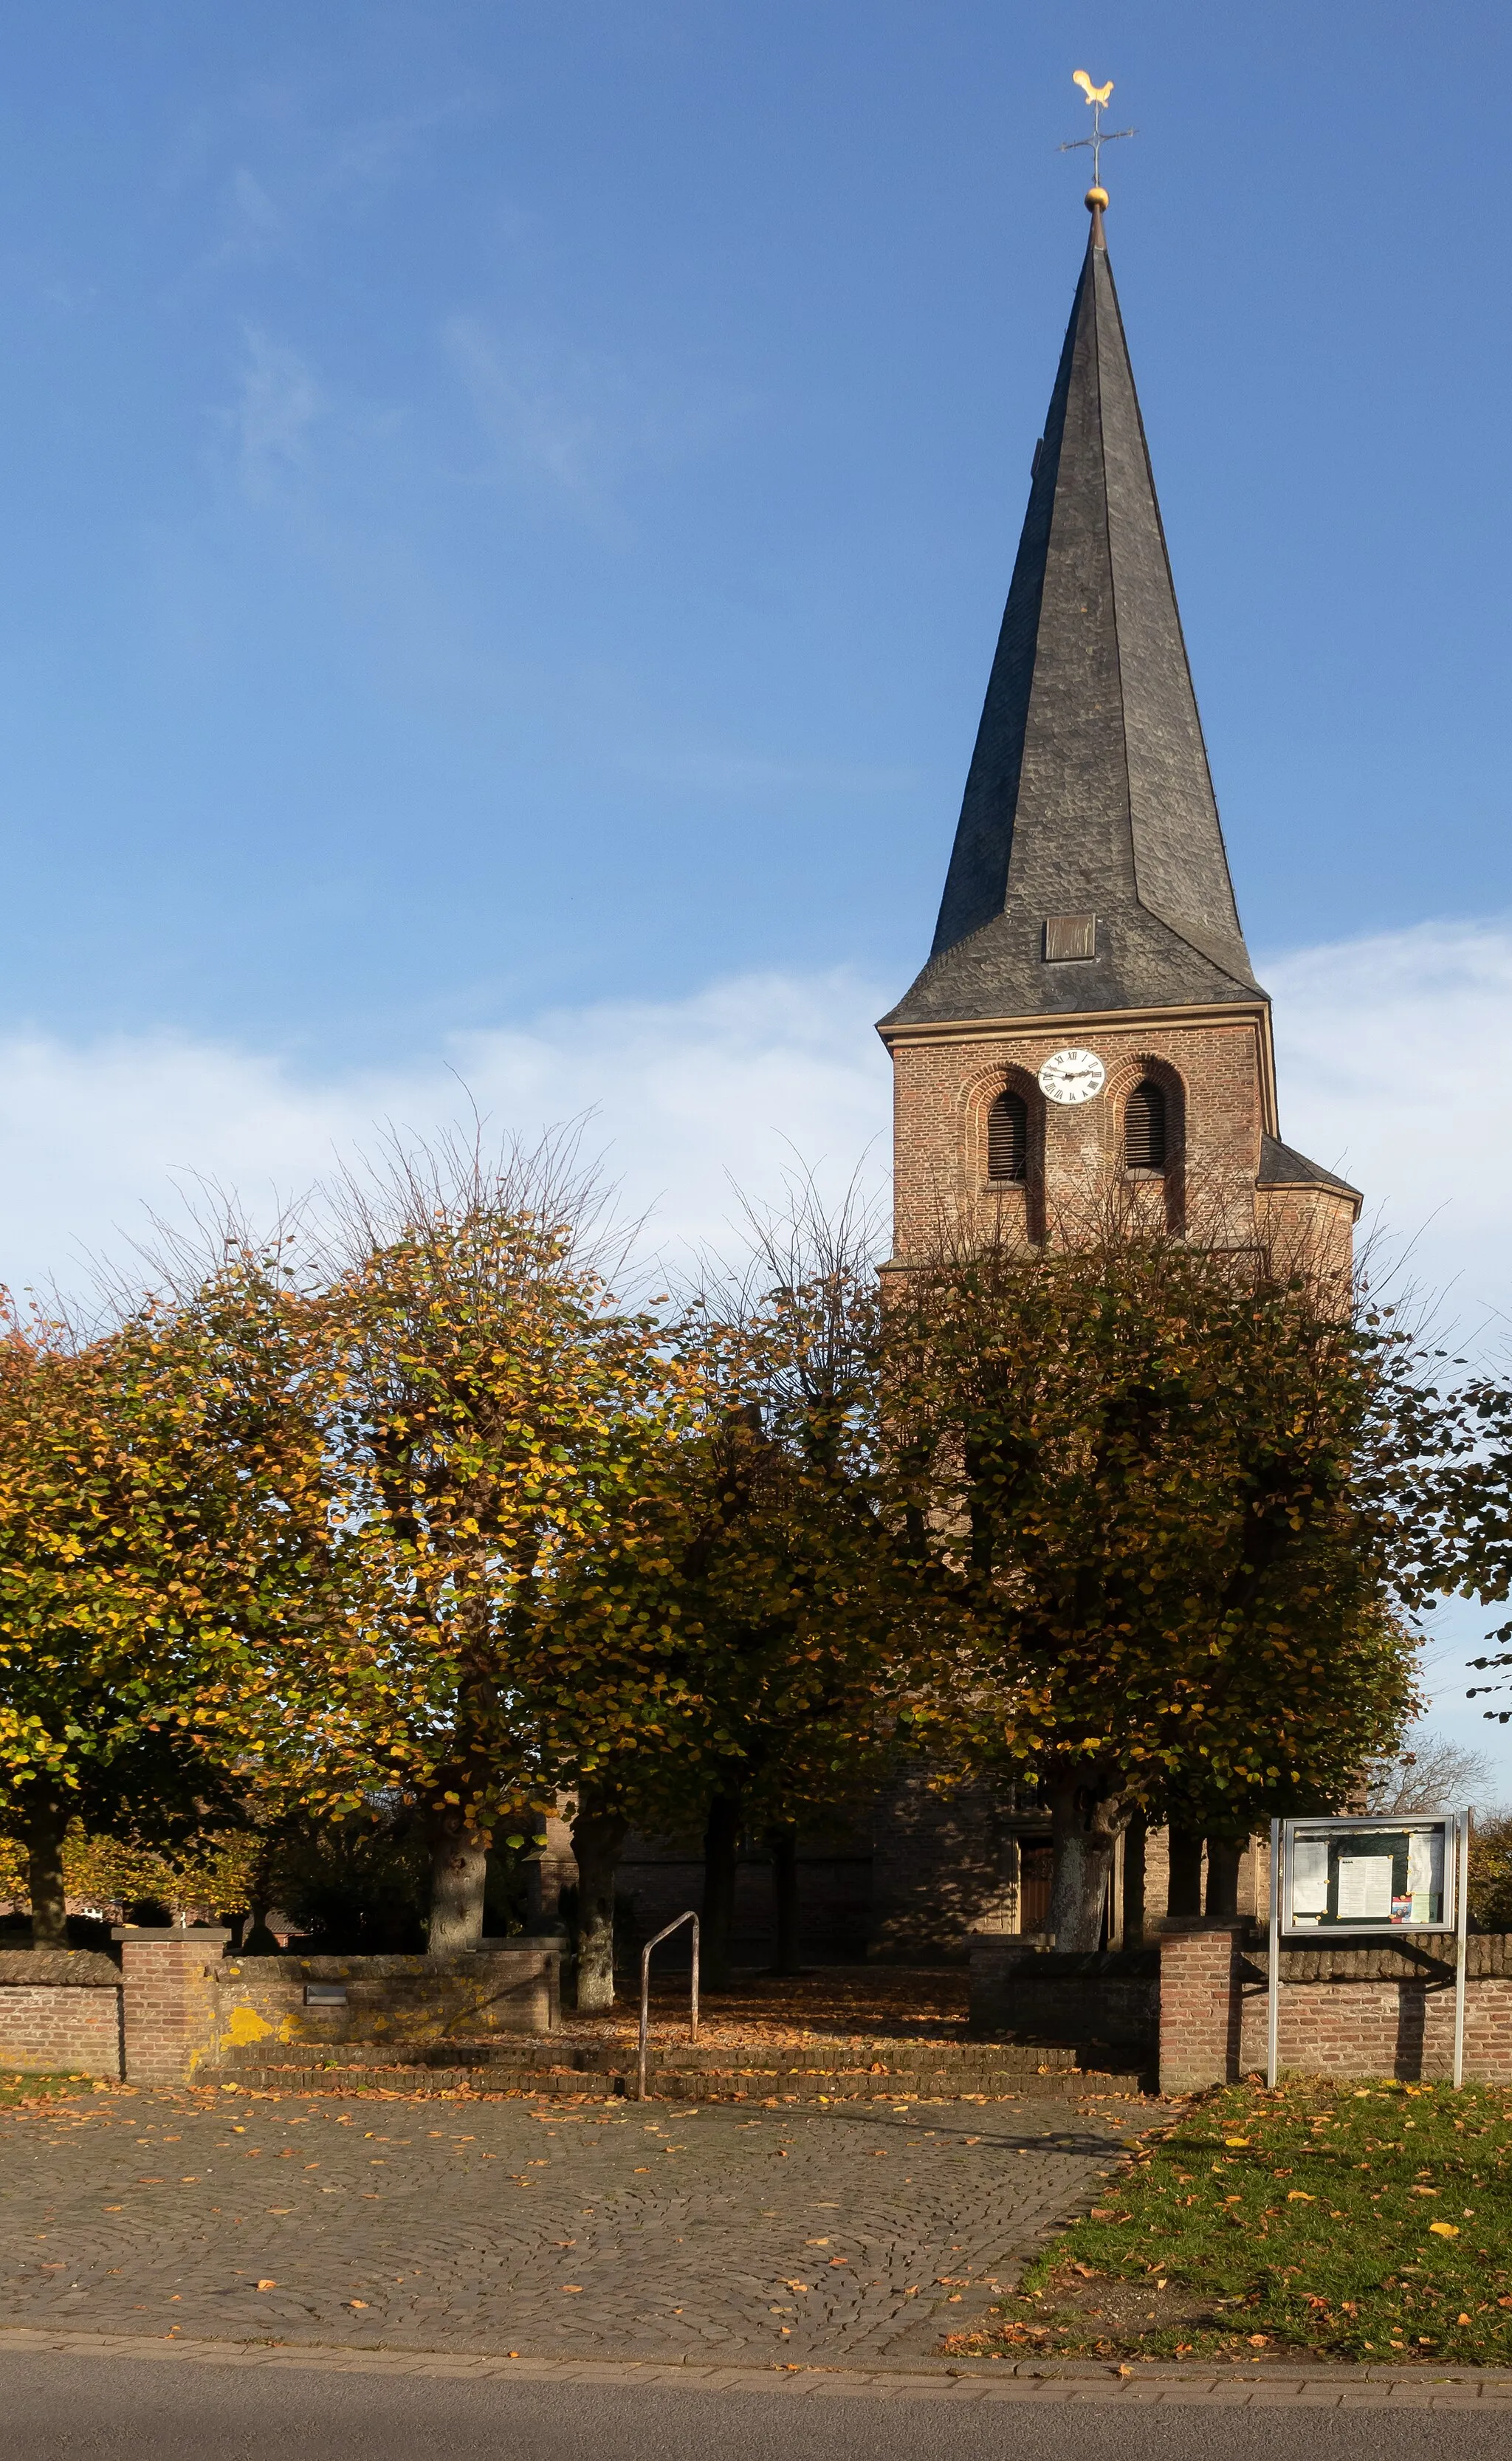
(1144, 1137)
(1008, 1137)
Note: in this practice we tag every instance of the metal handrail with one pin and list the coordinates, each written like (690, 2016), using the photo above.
(646, 1992)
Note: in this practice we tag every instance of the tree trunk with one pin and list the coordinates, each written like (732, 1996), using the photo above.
(259, 1940)
(598, 1835)
(784, 1842)
(1185, 1894)
(459, 1872)
(721, 1841)
(1223, 1858)
(1083, 1827)
(46, 1828)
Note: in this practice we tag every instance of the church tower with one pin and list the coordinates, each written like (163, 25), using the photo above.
(1088, 1013)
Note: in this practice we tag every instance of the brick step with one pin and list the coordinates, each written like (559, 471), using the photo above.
(530, 2054)
(952, 2065)
(760, 2076)
(371, 2077)
(747, 2085)
(851, 2059)
(738, 2081)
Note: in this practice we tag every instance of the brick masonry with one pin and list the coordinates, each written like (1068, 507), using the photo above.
(1215, 1068)
(660, 1878)
(871, 1887)
(168, 1994)
(1200, 2006)
(1215, 1074)
(259, 2003)
(944, 1086)
(945, 1864)
(188, 2008)
(1109, 2002)
(1365, 2011)
(61, 2012)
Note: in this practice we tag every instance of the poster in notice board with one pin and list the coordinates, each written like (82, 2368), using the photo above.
(1382, 1874)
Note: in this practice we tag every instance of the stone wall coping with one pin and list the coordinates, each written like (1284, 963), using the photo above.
(53, 1968)
(1032, 1963)
(1022, 1943)
(331, 1965)
(1488, 1959)
(1237, 1926)
(201, 1934)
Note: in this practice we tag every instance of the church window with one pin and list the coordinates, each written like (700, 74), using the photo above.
(1007, 1138)
(1144, 1140)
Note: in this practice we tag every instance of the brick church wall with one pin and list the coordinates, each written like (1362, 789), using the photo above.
(945, 1865)
(660, 1878)
(943, 1087)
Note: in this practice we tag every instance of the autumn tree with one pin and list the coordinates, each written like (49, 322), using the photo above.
(800, 1581)
(1427, 1773)
(491, 1417)
(789, 1599)
(159, 1508)
(1472, 1494)
(796, 1596)
(1170, 1483)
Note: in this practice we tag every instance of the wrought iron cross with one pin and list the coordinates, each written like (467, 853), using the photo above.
(1097, 97)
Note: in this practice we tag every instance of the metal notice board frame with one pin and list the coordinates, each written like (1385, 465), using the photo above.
(1327, 1889)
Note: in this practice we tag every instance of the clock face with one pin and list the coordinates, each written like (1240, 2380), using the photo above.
(1072, 1076)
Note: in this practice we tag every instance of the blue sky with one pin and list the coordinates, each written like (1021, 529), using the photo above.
(504, 505)
(505, 512)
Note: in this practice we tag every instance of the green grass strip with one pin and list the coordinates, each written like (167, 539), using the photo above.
(1363, 2222)
(32, 2086)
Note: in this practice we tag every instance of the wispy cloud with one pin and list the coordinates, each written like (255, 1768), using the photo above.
(299, 168)
(573, 420)
(251, 224)
(1393, 1056)
(686, 1095)
(278, 400)
(537, 420)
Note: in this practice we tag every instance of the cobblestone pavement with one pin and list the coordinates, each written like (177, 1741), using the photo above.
(618, 2230)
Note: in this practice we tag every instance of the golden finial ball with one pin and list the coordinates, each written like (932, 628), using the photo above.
(1096, 196)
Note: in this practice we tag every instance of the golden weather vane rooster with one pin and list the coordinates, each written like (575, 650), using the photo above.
(1096, 97)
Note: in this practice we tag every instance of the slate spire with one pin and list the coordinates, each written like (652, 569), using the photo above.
(1089, 793)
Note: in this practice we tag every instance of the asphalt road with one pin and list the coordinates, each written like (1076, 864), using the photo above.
(183, 2408)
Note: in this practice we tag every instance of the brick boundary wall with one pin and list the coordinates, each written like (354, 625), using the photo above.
(60, 2026)
(1375, 2010)
(509, 1988)
(187, 2010)
(1023, 1991)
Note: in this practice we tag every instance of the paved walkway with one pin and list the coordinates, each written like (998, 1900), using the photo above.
(659, 2233)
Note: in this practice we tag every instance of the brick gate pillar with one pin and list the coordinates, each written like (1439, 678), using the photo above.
(1199, 2002)
(168, 2001)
